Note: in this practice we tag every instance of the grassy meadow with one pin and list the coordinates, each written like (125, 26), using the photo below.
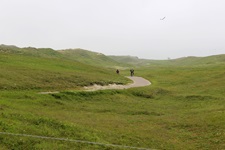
(184, 108)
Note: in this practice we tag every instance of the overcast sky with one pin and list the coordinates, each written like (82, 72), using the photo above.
(117, 27)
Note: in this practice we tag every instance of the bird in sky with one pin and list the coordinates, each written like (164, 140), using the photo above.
(163, 18)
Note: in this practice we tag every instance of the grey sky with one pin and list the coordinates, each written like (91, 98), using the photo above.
(117, 27)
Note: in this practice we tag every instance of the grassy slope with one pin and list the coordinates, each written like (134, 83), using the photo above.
(27, 72)
(135, 61)
(78, 55)
(30, 51)
(128, 60)
(91, 58)
(182, 109)
(209, 60)
(194, 104)
(185, 61)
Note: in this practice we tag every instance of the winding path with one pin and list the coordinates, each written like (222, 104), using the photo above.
(137, 82)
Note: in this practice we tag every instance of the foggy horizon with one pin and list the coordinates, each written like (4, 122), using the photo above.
(149, 29)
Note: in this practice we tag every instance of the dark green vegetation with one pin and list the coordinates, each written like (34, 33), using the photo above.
(184, 108)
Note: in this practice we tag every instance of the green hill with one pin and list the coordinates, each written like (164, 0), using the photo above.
(132, 60)
(91, 58)
(31, 68)
(101, 60)
(78, 55)
(209, 60)
(30, 51)
(185, 61)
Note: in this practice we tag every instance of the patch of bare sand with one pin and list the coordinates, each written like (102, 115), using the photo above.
(137, 82)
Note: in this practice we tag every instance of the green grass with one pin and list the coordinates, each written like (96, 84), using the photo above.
(26, 72)
(183, 108)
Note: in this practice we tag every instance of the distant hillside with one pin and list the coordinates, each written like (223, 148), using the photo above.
(78, 55)
(89, 57)
(31, 51)
(185, 61)
(191, 60)
(99, 59)
(135, 61)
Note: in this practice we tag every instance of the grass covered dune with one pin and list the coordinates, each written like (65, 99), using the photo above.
(184, 108)
(27, 72)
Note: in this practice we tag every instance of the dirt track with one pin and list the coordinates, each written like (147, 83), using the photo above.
(137, 82)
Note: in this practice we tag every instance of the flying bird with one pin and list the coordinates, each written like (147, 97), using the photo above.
(163, 18)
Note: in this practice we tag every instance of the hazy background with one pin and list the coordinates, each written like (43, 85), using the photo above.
(117, 27)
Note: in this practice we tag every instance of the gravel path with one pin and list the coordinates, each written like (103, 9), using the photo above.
(137, 82)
